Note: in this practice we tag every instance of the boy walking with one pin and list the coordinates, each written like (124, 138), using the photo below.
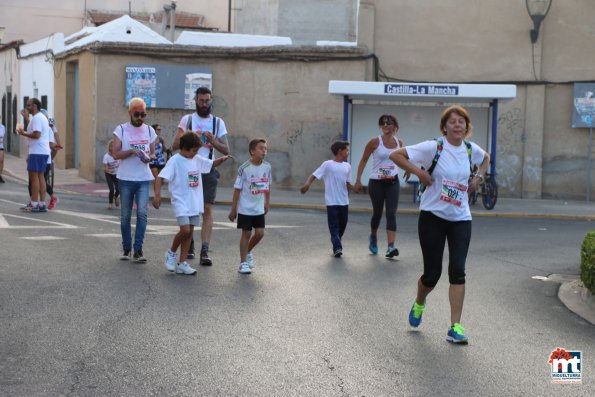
(183, 172)
(251, 197)
(336, 175)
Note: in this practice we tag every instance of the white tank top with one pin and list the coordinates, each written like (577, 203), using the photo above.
(382, 166)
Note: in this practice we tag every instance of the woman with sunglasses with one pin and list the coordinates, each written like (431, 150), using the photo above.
(383, 186)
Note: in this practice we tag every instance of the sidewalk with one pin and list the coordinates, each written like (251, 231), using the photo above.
(574, 296)
(69, 181)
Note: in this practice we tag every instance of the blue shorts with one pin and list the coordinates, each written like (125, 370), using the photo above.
(37, 162)
(188, 220)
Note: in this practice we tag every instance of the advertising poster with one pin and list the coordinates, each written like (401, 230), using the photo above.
(141, 82)
(193, 81)
(583, 115)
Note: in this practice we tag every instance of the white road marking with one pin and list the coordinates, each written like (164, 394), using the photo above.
(39, 238)
(46, 224)
(104, 235)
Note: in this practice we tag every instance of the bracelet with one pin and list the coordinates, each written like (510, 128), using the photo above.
(480, 177)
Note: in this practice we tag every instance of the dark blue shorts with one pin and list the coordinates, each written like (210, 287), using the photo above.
(37, 162)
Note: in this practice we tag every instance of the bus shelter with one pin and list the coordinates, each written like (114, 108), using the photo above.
(417, 107)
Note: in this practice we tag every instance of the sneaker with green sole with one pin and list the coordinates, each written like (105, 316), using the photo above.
(415, 314)
(456, 334)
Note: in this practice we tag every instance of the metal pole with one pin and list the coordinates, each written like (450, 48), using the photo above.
(345, 117)
(589, 164)
(494, 137)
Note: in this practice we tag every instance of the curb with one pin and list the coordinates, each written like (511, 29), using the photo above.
(578, 299)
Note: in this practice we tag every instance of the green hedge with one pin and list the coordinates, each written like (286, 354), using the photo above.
(588, 261)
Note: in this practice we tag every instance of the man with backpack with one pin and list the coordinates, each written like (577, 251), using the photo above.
(213, 135)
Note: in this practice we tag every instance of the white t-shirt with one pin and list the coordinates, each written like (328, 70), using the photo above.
(52, 139)
(185, 183)
(2, 132)
(447, 196)
(335, 176)
(38, 122)
(132, 168)
(254, 182)
(205, 125)
(112, 164)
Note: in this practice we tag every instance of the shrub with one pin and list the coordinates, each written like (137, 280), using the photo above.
(588, 261)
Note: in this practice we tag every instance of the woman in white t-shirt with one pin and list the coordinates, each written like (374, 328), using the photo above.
(444, 209)
(383, 185)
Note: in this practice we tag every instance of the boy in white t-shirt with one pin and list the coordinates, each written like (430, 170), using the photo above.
(251, 198)
(183, 172)
(336, 175)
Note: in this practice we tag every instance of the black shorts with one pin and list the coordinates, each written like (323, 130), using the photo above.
(158, 166)
(247, 222)
(209, 186)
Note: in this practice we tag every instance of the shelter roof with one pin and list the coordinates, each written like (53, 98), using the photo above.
(421, 92)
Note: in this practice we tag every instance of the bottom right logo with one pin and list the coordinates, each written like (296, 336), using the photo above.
(566, 366)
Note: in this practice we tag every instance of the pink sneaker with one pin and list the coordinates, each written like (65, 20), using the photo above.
(53, 201)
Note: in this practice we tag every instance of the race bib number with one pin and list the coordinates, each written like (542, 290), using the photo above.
(193, 179)
(386, 172)
(453, 192)
(140, 144)
(259, 185)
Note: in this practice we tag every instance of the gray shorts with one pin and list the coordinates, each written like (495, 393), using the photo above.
(209, 186)
(188, 220)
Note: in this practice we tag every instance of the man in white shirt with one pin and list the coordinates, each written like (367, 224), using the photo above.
(213, 135)
(134, 146)
(39, 152)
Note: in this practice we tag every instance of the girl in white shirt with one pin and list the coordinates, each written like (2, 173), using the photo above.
(444, 210)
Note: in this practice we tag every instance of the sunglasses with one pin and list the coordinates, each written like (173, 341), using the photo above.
(387, 122)
(142, 115)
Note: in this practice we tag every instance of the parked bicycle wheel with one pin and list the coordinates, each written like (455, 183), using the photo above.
(490, 193)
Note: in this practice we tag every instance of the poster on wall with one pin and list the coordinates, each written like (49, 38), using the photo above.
(193, 81)
(583, 114)
(141, 82)
(166, 86)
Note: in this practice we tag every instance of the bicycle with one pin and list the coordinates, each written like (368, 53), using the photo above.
(488, 189)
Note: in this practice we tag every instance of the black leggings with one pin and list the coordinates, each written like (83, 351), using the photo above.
(112, 184)
(433, 231)
(382, 191)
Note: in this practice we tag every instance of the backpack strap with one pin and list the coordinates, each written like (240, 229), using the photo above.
(215, 130)
(469, 152)
(189, 123)
(439, 147)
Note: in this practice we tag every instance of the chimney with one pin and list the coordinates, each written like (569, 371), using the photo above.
(172, 21)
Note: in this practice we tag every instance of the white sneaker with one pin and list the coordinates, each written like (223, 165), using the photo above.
(184, 268)
(250, 260)
(171, 260)
(244, 268)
